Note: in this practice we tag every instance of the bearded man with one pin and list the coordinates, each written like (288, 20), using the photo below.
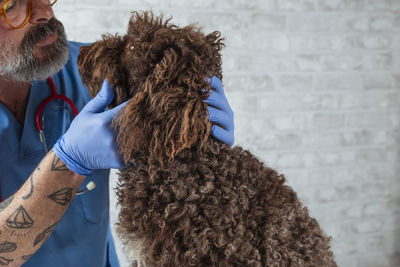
(37, 186)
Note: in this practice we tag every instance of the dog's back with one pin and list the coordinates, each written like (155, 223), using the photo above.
(221, 207)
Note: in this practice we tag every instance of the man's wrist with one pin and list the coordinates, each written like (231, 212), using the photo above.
(68, 161)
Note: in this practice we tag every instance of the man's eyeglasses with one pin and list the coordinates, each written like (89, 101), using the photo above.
(18, 12)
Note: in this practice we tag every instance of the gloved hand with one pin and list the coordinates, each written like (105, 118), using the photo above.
(97, 149)
(89, 143)
(220, 113)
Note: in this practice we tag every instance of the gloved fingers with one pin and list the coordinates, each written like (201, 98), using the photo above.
(117, 162)
(223, 135)
(103, 98)
(120, 165)
(116, 109)
(216, 84)
(217, 100)
(221, 118)
(112, 114)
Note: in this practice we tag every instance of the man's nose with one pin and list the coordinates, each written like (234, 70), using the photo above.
(41, 12)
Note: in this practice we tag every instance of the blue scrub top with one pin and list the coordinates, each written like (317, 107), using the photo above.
(82, 237)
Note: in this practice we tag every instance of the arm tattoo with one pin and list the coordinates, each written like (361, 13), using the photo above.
(30, 193)
(5, 261)
(6, 202)
(45, 234)
(57, 165)
(7, 247)
(19, 219)
(62, 197)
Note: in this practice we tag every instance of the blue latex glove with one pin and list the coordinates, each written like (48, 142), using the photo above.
(89, 143)
(220, 113)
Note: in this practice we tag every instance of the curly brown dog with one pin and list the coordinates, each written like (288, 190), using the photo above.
(186, 198)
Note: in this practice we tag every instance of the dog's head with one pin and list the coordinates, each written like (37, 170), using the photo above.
(163, 69)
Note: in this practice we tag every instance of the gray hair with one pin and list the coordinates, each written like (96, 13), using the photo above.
(18, 62)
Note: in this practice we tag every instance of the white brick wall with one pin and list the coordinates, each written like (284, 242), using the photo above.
(315, 86)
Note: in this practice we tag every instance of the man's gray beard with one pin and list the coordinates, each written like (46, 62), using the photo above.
(17, 63)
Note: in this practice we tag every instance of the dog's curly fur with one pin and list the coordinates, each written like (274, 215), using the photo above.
(188, 199)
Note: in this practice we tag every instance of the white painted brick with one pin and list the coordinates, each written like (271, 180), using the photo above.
(350, 23)
(345, 260)
(295, 82)
(328, 120)
(266, 22)
(339, 82)
(365, 119)
(248, 83)
(312, 159)
(394, 258)
(381, 81)
(295, 5)
(382, 23)
(308, 62)
(321, 42)
(258, 64)
(373, 209)
(395, 5)
(268, 141)
(374, 260)
(373, 42)
(259, 40)
(378, 61)
(315, 89)
(271, 102)
(308, 23)
(365, 100)
(288, 121)
(393, 189)
(362, 137)
(341, 62)
(381, 5)
(332, 194)
(341, 5)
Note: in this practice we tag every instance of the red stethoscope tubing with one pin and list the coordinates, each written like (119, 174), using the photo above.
(53, 96)
(42, 105)
(91, 185)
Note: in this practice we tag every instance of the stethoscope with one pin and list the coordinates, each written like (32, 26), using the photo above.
(91, 185)
(42, 105)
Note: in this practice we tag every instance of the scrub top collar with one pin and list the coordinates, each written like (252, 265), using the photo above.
(24, 139)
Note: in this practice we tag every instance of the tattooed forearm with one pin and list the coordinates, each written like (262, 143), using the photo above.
(57, 165)
(7, 247)
(42, 200)
(30, 193)
(62, 197)
(19, 219)
(45, 234)
(5, 261)
(6, 202)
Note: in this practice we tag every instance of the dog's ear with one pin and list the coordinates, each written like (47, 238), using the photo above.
(164, 118)
(167, 112)
(101, 61)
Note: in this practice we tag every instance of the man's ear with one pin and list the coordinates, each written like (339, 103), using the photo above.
(167, 114)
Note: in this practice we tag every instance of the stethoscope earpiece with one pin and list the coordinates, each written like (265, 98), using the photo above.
(90, 186)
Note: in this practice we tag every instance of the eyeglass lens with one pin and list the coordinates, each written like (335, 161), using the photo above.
(17, 12)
